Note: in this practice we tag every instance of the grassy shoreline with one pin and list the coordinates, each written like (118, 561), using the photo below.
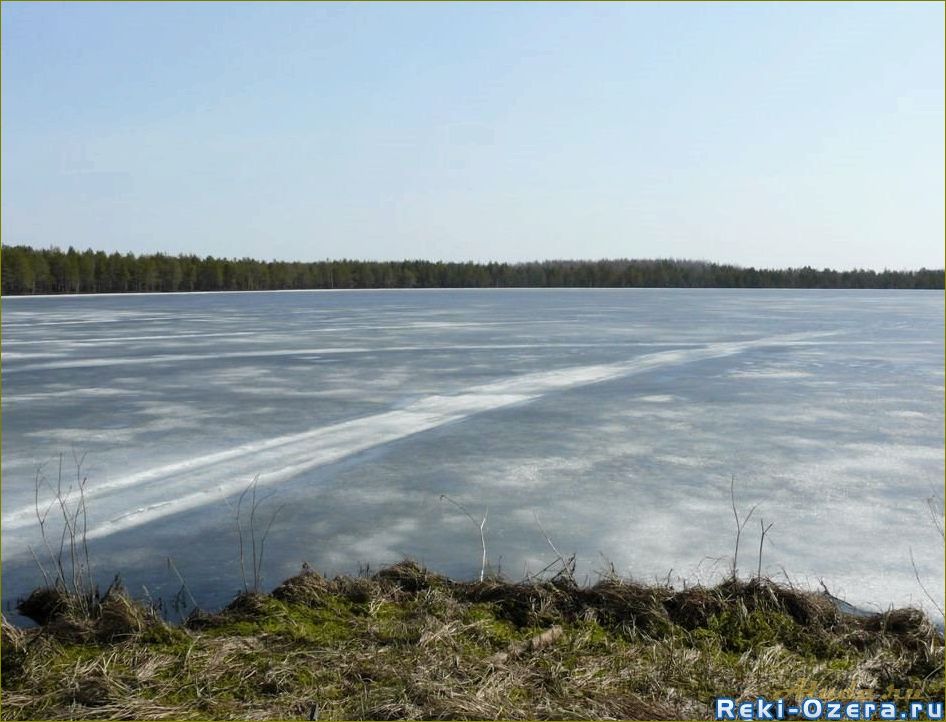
(408, 643)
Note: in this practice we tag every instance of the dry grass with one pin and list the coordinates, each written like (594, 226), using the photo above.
(407, 643)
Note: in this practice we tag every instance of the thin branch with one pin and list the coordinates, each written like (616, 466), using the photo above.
(239, 525)
(62, 537)
(85, 577)
(740, 525)
(74, 515)
(262, 541)
(929, 596)
(483, 542)
(39, 564)
(68, 528)
(85, 533)
(180, 578)
(257, 543)
(253, 530)
(565, 566)
(481, 525)
(936, 516)
(38, 481)
(765, 530)
(732, 498)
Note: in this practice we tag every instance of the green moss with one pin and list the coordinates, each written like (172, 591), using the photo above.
(493, 629)
(740, 632)
(326, 625)
(165, 636)
(70, 654)
(597, 636)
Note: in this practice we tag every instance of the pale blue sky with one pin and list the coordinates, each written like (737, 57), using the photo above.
(771, 134)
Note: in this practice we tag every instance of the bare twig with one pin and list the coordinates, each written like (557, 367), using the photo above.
(62, 537)
(740, 524)
(78, 581)
(929, 596)
(765, 530)
(41, 518)
(180, 577)
(84, 540)
(936, 516)
(262, 544)
(40, 565)
(567, 568)
(481, 525)
(257, 544)
(253, 531)
(239, 526)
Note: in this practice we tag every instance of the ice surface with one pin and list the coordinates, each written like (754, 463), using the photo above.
(615, 416)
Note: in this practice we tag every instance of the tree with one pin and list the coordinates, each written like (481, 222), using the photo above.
(28, 270)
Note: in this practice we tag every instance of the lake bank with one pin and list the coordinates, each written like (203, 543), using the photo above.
(407, 643)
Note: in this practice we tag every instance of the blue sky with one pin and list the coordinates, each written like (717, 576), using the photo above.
(759, 134)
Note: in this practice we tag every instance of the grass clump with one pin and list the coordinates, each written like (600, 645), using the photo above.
(408, 643)
(102, 618)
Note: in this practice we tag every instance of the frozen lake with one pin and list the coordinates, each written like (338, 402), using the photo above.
(614, 417)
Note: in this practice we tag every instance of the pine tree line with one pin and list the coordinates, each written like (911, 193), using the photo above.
(26, 270)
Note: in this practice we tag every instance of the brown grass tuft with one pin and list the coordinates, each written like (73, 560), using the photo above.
(408, 576)
(693, 608)
(119, 616)
(306, 588)
(44, 604)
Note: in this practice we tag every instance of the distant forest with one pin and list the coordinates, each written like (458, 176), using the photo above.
(27, 270)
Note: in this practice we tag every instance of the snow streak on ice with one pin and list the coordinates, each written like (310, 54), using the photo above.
(191, 483)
